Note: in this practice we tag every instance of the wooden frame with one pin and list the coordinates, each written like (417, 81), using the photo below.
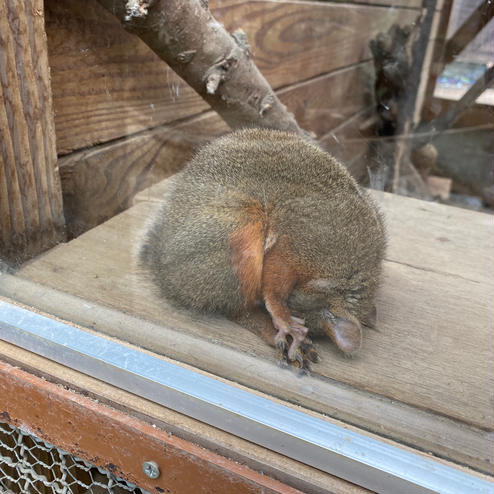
(31, 214)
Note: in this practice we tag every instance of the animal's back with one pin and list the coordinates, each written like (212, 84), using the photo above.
(295, 189)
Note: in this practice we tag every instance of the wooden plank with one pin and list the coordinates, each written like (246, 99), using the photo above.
(443, 264)
(107, 84)
(326, 102)
(101, 182)
(436, 294)
(456, 241)
(31, 216)
(293, 41)
(76, 424)
(413, 4)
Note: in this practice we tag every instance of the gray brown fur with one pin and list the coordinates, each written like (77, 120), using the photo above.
(333, 227)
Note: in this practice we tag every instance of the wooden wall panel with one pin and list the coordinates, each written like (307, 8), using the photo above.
(325, 102)
(412, 4)
(101, 182)
(108, 84)
(31, 218)
(293, 41)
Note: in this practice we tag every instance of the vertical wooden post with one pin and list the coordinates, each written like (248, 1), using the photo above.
(31, 213)
(437, 59)
(411, 104)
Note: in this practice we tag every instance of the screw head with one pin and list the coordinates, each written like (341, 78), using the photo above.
(151, 469)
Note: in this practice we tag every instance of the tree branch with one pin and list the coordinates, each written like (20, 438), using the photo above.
(467, 31)
(217, 65)
(448, 118)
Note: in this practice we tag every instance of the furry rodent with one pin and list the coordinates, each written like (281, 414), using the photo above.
(274, 233)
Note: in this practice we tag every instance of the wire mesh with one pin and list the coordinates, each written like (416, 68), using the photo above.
(29, 465)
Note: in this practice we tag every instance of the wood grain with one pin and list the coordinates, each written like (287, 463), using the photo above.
(108, 84)
(432, 350)
(101, 182)
(31, 216)
(294, 41)
(415, 4)
(326, 102)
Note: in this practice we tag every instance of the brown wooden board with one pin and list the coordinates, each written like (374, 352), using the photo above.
(101, 182)
(31, 217)
(416, 4)
(108, 84)
(326, 102)
(436, 294)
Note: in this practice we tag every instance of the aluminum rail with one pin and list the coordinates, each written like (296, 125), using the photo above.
(358, 458)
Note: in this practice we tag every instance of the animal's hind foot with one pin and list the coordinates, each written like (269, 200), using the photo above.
(300, 352)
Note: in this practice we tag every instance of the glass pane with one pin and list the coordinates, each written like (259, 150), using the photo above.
(266, 237)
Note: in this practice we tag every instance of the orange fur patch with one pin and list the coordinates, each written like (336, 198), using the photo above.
(247, 245)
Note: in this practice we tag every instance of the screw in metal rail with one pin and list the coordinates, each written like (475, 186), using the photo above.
(151, 469)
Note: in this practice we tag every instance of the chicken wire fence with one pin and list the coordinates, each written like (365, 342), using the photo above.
(28, 465)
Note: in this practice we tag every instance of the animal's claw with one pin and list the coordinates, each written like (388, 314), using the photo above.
(300, 351)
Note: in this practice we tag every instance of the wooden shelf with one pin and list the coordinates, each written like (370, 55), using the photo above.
(423, 377)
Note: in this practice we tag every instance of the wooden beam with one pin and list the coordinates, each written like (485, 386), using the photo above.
(31, 216)
(436, 66)
(77, 424)
(467, 31)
